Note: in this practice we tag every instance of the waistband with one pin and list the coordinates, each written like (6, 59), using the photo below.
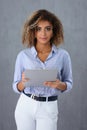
(43, 99)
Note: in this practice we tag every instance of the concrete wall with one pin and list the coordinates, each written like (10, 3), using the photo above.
(73, 14)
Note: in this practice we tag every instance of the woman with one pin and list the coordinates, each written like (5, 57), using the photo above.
(37, 107)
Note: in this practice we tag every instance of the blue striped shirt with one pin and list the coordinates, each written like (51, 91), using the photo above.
(58, 59)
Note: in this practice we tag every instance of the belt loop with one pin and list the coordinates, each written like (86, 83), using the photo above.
(32, 96)
(46, 99)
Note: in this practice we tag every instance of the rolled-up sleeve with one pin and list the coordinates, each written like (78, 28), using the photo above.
(67, 72)
(17, 73)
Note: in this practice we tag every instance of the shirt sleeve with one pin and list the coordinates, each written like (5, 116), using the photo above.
(18, 72)
(67, 72)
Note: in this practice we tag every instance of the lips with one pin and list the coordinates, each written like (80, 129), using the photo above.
(43, 38)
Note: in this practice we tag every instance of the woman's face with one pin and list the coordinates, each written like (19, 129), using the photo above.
(44, 32)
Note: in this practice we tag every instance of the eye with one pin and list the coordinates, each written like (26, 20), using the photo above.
(48, 28)
(38, 29)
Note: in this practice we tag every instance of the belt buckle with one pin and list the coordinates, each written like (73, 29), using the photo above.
(32, 96)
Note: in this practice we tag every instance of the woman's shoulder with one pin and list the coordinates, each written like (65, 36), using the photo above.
(64, 54)
(23, 52)
(62, 51)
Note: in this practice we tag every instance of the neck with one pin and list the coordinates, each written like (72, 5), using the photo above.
(43, 48)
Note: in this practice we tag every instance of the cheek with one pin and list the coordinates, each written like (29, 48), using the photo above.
(37, 35)
(51, 35)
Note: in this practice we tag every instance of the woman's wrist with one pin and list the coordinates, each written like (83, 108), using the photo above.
(20, 86)
(62, 86)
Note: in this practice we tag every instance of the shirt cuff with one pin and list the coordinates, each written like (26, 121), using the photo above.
(69, 87)
(15, 87)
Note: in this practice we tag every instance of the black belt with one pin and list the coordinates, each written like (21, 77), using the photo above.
(51, 98)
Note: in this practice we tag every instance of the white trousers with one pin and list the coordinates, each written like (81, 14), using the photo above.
(36, 115)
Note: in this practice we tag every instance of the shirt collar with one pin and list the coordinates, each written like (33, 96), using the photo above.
(54, 49)
(34, 52)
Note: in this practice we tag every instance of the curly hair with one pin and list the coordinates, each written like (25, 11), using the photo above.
(28, 34)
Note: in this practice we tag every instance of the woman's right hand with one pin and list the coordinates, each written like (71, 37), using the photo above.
(21, 85)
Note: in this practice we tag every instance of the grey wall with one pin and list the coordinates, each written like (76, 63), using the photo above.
(73, 14)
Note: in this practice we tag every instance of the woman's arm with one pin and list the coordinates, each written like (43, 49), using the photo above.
(18, 74)
(21, 84)
(66, 76)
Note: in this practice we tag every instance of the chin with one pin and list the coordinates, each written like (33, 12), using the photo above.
(43, 42)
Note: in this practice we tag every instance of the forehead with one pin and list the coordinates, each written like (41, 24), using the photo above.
(44, 23)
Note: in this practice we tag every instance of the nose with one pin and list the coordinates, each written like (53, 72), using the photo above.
(43, 32)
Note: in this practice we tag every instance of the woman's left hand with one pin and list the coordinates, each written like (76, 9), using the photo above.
(56, 84)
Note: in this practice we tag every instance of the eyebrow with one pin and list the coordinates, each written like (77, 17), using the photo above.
(45, 26)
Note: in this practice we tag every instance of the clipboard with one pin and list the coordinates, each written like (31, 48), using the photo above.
(39, 76)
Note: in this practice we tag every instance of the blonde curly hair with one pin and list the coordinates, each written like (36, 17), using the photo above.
(28, 34)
